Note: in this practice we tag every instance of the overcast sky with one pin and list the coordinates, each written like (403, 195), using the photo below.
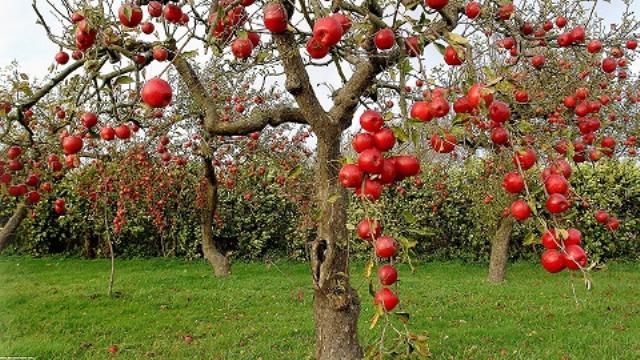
(26, 42)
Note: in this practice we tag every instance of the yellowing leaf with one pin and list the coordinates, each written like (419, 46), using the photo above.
(456, 39)
(368, 269)
(333, 198)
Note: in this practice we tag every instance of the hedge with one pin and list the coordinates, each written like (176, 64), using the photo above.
(445, 216)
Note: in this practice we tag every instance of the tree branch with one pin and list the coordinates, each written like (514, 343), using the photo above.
(348, 97)
(258, 120)
(197, 90)
(297, 79)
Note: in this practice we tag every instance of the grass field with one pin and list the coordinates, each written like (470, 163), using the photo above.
(58, 309)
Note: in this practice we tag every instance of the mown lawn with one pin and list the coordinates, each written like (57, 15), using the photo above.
(58, 309)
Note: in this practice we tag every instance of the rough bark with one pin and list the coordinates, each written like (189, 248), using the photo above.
(500, 251)
(336, 303)
(6, 233)
(91, 242)
(219, 262)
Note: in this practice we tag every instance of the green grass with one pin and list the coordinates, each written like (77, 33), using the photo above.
(57, 309)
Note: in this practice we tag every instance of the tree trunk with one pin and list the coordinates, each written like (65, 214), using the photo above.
(336, 303)
(219, 262)
(90, 244)
(6, 233)
(500, 251)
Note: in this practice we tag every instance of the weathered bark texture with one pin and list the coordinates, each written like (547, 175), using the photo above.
(500, 251)
(6, 233)
(219, 262)
(91, 242)
(336, 303)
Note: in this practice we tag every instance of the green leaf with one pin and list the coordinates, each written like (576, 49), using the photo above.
(530, 239)
(460, 119)
(128, 12)
(372, 292)
(124, 80)
(368, 269)
(456, 39)
(441, 48)
(407, 243)
(405, 67)
(505, 87)
(262, 56)
(422, 232)
(524, 126)
(457, 131)
(533, 206)
(333, 198)
(294, 172)
(400, 133)
(25, 88)
(408, 216)
(374, 321)
(189, 54)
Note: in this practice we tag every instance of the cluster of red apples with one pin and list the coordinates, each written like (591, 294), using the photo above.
(368, 177)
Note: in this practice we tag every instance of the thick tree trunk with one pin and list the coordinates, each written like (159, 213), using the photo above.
(6, 233)
(219, 262)
(500, 251)
(336, 303)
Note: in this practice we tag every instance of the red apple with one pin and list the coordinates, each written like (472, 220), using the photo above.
(157, 93)
(275, 18)
(130, 15)
(575, 258)
(365, 230)
(513, 183)
(386, 247)
(387, 274)
(350, 176)
(386, 298)
(371, 120)
(520, 210)
(328, 31)
(384, 39)
(553, 261)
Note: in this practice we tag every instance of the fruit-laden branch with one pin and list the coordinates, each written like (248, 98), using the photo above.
(43, 91)
(257, 120)
(297, 80)
(348, 97)
(373, 18)
(10, 227)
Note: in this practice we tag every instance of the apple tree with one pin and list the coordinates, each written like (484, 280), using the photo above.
(366, 52)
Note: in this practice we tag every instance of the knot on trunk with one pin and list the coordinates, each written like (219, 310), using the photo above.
(293, 85)
(339, 298)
